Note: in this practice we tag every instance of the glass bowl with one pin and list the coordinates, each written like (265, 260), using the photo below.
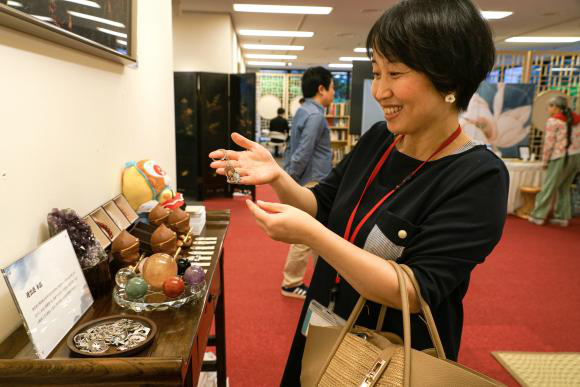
(156, 300)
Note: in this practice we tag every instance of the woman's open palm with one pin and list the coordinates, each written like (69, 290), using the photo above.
(255, 165)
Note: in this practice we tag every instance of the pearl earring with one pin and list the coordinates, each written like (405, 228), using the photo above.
(450, 98)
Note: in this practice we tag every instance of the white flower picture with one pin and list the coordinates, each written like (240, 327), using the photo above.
(500, 115)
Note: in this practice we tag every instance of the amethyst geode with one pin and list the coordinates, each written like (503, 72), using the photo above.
(88, 250)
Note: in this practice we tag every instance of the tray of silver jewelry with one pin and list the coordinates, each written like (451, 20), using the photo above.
(112, 336)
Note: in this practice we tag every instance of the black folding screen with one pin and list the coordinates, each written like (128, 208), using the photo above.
(209, 107)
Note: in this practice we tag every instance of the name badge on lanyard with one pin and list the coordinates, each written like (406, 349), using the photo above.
(320, 316)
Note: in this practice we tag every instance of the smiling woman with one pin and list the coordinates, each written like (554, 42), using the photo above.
(415, 189)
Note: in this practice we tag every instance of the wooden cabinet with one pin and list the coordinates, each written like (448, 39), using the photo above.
(174, 358)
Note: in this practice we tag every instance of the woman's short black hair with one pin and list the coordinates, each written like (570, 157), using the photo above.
(447, 40)
(314, 77)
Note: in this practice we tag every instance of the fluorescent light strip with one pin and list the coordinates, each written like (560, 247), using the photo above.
(122, 42)
(14, 3)
(88, 3)
(262, 8)
(360, 49)
(353, 58)
(273, 47)
(97, 19)
(340, 65)
(565, 69)
(44, 18)
(115, 33)
(268, 56)
(494, 15)
(543, 39)
(286, 34)
(261, 63)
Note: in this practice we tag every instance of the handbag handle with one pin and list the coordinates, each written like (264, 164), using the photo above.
(426, 310)
(406, 327)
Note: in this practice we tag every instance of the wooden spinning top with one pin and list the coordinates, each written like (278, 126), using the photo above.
(159, 215)
(164, 240)
(125, 248)
(179, 221)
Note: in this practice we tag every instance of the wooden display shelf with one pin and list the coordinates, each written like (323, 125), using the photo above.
(174, 359)
(337, 116)
(338, 127)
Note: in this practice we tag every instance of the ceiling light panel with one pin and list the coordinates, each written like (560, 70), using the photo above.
(353, 58)
(543, 39)
(270, 56)
(96, 19)
(494, 15)
(265, 63)
(340, 65)
(114, 33)
(262, 8)
(288, 34)
(273, 47)
(87, 3)
(360, 50)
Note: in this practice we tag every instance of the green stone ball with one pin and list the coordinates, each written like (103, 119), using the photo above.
(136, 288)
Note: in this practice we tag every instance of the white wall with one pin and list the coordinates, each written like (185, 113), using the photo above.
(205, 42)
(68, 123)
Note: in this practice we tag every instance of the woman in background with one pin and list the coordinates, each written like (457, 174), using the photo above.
(562, 159)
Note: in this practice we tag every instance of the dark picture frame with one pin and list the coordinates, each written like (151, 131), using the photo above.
(105, 28)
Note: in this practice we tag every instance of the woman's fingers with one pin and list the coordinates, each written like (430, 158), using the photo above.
(242, 141)
(271, 207)
(258, 213)
(219, 154)
(222, 164)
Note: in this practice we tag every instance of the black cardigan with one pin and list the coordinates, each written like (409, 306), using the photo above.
(452, 212)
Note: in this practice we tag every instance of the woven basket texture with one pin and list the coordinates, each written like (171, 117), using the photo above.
(354, 359)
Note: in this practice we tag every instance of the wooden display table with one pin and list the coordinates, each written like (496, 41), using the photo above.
(174, 359)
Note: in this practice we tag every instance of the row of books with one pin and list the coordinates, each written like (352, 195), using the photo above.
(338, 154)
(338, 122)
(338, 135)
(338, 109)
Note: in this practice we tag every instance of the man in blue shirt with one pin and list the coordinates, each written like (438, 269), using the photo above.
(309, 161)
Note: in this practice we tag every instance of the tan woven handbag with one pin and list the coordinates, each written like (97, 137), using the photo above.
(354, 356)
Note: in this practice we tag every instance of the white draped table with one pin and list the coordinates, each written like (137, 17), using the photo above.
(522, 173)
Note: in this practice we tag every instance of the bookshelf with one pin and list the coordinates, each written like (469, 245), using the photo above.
(338, 120)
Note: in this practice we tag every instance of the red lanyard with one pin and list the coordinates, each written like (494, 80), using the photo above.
(351, 237)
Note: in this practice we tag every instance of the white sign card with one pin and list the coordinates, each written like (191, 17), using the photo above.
(50, 291)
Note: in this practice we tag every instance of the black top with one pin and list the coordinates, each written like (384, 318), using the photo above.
(453, 212)
(279, 124)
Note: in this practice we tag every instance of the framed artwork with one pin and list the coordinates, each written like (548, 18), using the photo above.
(100, 27)
(500, 114)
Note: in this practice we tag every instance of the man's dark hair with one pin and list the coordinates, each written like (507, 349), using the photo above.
(314, 77)
(281, 111)
(447, 40)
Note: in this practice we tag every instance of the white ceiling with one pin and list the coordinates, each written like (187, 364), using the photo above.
(338, 33)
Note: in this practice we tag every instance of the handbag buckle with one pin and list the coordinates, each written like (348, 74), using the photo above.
(375, 372)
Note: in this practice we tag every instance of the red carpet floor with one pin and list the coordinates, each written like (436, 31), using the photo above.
(525, 297)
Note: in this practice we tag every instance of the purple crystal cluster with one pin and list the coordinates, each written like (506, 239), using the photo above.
(88, 249)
